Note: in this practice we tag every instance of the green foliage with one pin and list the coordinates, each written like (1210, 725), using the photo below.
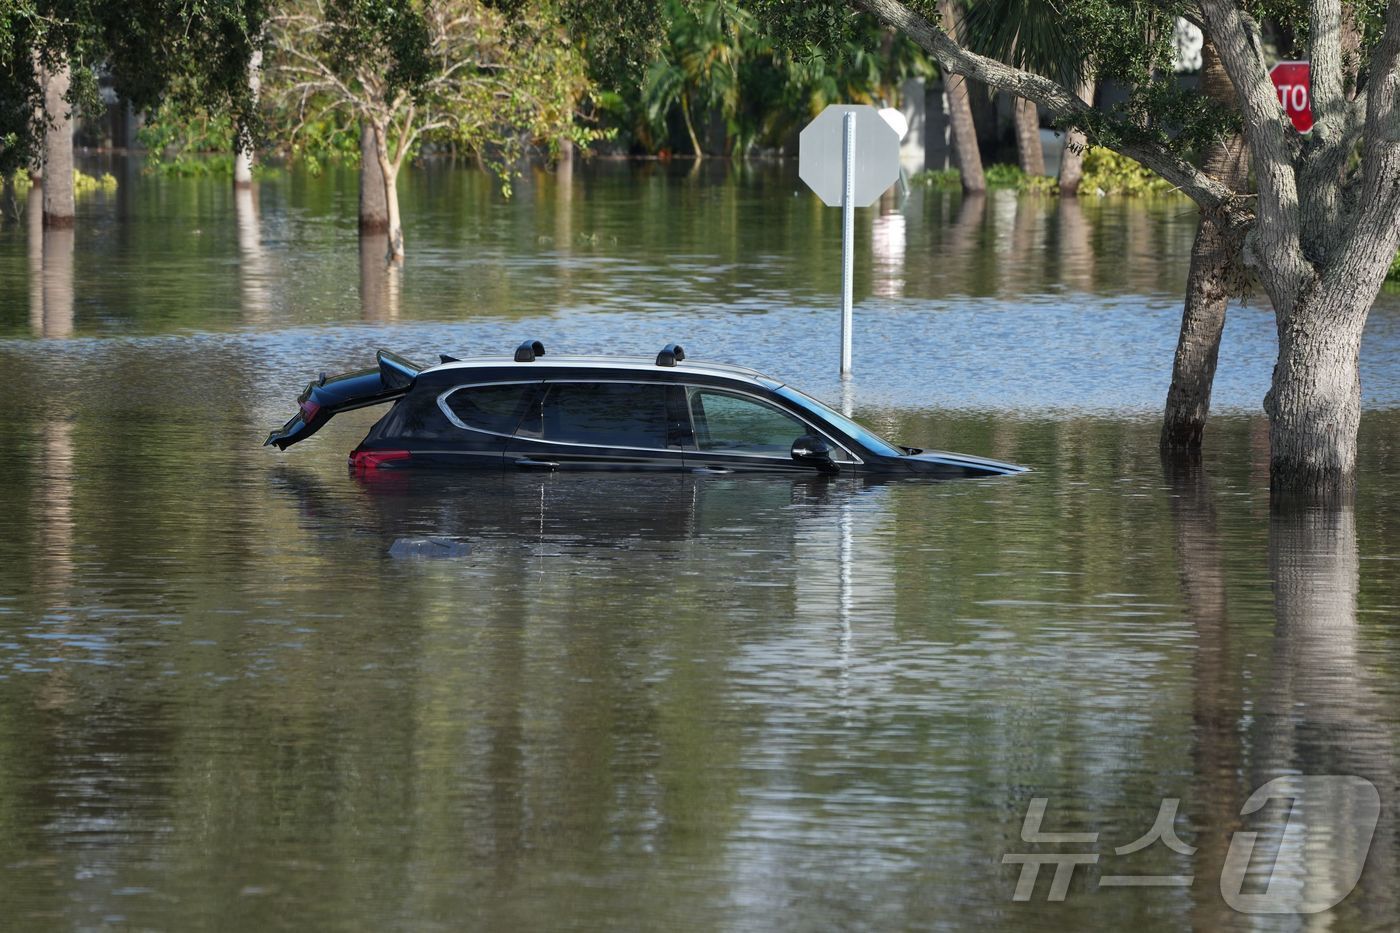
(489, 79)
(153, 50)
(716, 65)
(943, 179)
(82, 183)
(1005, 176)
(1105, 172)
(88, 184)
(1394, 274)
(1108, 172)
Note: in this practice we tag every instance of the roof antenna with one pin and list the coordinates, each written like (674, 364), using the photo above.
(670, 355)
(527, 351)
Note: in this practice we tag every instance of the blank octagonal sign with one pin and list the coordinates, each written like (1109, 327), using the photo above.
(876, 154)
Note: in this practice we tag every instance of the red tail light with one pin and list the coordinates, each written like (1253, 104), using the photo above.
(374, 459)
(309, 410)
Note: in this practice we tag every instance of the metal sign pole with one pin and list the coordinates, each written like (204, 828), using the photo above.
(848, 235)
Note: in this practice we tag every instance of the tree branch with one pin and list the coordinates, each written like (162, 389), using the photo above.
(1273, 143)
(1059, 101)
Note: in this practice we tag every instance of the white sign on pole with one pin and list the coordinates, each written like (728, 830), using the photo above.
(848, 155)
(876, 154)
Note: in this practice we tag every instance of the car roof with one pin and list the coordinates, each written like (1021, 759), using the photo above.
(631, 363)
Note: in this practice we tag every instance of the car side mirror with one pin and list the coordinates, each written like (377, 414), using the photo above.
(814, 451)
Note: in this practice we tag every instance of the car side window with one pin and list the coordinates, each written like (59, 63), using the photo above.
(603, 414)
(725, 422)
(493, 408)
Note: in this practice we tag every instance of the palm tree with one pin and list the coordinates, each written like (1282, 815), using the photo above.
(960, 109)
(700, 64)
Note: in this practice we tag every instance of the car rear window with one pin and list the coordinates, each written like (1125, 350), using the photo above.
(610, 414)
(494, 408)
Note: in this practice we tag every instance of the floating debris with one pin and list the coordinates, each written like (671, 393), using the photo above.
(428, 548)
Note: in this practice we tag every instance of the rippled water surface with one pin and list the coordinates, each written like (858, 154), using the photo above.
(670, 701)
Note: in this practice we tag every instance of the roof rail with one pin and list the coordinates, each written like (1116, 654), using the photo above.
(527, 351)
(670, 355)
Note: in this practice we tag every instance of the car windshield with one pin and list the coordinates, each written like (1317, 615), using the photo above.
(867, 438)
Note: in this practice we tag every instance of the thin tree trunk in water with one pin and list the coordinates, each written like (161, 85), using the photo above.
(390, 173)
(690, 127)
(1207, 284)
(58, 152)
(565, 161)
(374, 213)
(960, 122)
(1027, 119)
(1072, 161)
(36, 170)
(243, 155)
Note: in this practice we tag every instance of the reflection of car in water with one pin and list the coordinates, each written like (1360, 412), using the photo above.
(580, 509)
(605, 414)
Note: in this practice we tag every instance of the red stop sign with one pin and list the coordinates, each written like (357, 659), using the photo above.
(1293, 81)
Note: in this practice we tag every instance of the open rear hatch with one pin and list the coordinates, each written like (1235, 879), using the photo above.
(331, 395)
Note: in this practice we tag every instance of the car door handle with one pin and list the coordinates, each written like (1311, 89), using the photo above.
(529, 463)
(710, 469)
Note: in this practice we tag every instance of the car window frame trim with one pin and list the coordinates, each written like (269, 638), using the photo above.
(452, 417)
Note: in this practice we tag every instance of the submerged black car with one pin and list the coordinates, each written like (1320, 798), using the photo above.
(582, 413)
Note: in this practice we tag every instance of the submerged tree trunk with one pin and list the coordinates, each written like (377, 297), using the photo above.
(960, 122)
(374, 212)
(243, 156)
(1027, 120)
(58, 151)
(1314, 404)
(1207, 283)
(1072, 160)
(390, 171)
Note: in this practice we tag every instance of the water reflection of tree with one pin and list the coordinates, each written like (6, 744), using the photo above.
(50, 273)
(380, 282)
(1076, 251)
(253, 273)
(1322, 712)
(1217, 698)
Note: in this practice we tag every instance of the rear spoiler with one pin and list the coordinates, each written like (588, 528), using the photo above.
(331, 395)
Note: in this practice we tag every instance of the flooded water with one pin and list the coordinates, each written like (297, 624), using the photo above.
(670, 701)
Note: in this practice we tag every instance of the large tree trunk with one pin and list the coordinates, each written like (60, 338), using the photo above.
(390, 172)
(1314, 405)
(1072, 161)
(960, 122)
(243, 155)
(1027, 119)
(1207, 283)
(58, 151)
(374, 212)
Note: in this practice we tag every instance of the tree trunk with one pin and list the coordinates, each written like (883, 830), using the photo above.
(1207, 283)
(1027, 119)
(390, 173)
(1072, 161)
(1314, 405)
(960, 122)
(36, 169)
(243, 155)
(565, 162)
(58, 152)
(690, 127)
(374, 213)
